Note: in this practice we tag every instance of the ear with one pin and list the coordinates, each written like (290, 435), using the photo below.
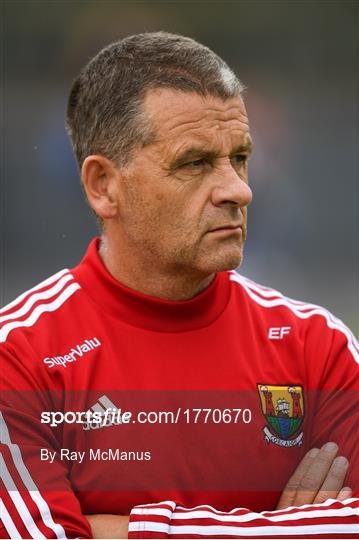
(100, 180)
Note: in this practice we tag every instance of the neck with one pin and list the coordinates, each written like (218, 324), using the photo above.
(141, 276)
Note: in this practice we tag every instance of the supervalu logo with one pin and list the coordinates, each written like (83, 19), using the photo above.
(74, 354)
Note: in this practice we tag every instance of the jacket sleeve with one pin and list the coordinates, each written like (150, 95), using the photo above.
(331, 356)
(332, 519)
(37, 500)
(333, 396)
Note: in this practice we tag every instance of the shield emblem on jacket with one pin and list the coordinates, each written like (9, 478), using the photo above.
(283, 409)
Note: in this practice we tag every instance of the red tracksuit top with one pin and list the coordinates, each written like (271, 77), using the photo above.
(246, 381)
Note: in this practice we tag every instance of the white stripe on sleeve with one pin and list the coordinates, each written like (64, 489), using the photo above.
(38, 311)
(223, 530)
(44, 283)
(301, 310)
(29, 483)
(19, 501)
(44, 295)
(250, 516)
(8, 522)
(329, 517)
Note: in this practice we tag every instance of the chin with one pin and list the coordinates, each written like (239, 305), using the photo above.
(221, 262)
(230, 264)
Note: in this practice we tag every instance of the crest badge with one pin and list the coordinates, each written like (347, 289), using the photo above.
(283, 409)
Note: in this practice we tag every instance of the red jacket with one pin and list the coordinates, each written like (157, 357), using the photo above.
(211, 402)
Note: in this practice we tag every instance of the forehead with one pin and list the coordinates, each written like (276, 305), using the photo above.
(180, 118)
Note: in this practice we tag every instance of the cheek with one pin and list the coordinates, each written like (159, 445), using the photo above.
(163, 207)
(155, 214)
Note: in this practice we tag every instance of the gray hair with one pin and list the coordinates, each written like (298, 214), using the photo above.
(104, 114)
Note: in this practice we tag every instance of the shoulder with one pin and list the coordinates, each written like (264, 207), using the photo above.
(28, 309)
(269, 299)
(310, 319)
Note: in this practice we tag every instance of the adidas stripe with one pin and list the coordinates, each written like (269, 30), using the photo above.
(39, 310)
(269, 298)
(30, 486)
(41, 285)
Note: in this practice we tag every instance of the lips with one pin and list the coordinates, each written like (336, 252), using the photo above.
(228, 226)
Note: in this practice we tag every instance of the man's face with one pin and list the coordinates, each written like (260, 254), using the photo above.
(183, 198)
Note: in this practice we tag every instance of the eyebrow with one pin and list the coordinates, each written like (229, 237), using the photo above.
(193, 152)
(246, 146)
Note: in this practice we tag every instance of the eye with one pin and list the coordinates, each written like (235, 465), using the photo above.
(239, 159)
(196, 163)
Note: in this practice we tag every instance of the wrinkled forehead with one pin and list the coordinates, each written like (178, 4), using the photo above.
(176, 116)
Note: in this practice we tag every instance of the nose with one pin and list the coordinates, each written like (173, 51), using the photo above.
(230, 188)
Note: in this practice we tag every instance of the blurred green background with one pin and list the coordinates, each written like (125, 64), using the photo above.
(299, 62)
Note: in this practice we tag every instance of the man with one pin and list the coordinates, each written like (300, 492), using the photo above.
(153, 321)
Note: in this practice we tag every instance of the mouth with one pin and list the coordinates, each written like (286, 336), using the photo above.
(230, 228)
